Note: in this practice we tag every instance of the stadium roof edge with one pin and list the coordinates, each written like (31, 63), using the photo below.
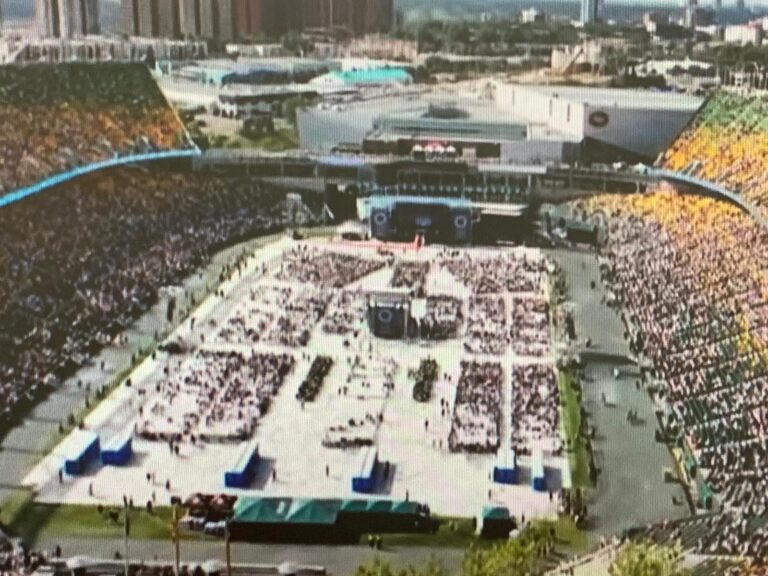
(62, 177)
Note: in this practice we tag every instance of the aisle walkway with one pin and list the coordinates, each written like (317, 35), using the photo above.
(631, 489)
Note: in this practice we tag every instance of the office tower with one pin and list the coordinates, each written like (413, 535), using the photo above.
(253, 17)
(275, 17)
(215, 17)
(690, 14)
(67, 18)
(190, 18)
(588, 11)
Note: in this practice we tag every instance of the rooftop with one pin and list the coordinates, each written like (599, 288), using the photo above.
(616, 97)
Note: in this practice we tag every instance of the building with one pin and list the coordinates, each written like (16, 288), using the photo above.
(67, 18)
(104, 49)
(210, 19)
(589, 11)
(532, 16)
(633, 124)
(690, 14)
(275, 17)
(367, 77)
(382, 47)
(744, 34)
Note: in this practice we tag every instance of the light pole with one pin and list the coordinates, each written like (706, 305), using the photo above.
(228, 547)
(175, 538)
(126, 531)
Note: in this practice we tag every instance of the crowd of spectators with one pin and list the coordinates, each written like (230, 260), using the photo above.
(442, 319)
(79, 263)
(720, 535)
(298, 311)
(412, 275)
(477, 408)
(310, 386)
(345, 313)
(424, 379)
(247, 323)
(535, 416)
(510, 272)
(59, 117)
(213, 395)
(689, 275)
(486, 325)
(325, 268)
(726, 143)
(529, 326)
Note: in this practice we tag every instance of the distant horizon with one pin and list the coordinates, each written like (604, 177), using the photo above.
(622, 10)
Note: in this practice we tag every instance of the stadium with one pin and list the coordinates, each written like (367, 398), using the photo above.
(168, 350)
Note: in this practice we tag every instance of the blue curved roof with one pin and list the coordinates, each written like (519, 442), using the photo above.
(372, 76)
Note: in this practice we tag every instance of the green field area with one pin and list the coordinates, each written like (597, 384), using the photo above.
(571, 415)
(31, 521)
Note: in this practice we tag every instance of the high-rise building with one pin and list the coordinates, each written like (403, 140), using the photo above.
(228, 19)
(178, 18)
(740, 5)
(67, 18)
(589, 9)
(189, 18)
(216, 19)
(690, 14)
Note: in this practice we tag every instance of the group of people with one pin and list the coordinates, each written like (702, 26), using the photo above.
(726, 143)
(345, 313)
(324, 268)
(302, 310)
(80, 263)
(411, 275)
(310, 386)
(535, 417)
(506, 272)
(726, 534)
(477, 408)
(59, 117)
(486, 325)
(689, 276)
(442, 319)
(213, 395)
(529, 326)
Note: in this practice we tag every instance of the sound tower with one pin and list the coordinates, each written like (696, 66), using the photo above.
(387, 320)
(380, 223)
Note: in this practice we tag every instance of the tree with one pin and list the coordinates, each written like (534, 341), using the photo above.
(433, 567)
(647, 559)
(515, 557)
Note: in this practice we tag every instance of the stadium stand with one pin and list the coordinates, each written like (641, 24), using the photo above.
(58, 118)
(73, 280)
(726, 144)
(689, 275)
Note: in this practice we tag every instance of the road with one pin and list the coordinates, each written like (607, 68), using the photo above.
(338, 560)
(630, 489)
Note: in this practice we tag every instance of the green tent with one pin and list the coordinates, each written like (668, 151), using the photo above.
(314, 511)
